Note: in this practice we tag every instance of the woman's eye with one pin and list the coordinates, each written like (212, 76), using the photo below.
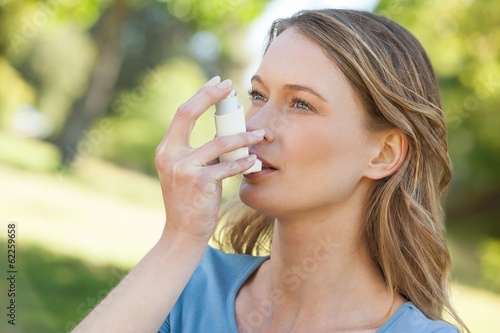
(300, 104)
(256, 96)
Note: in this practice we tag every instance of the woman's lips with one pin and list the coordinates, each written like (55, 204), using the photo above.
(263, 172)
(267, 168)
(265, 164)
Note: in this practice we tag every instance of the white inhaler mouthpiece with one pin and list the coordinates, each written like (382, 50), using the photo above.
(230, 120)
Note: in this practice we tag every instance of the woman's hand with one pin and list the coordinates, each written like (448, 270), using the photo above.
(191, 185)
(191, 179)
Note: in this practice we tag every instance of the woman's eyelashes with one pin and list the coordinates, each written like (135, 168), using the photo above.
(295, 102)
(255, 95)
(300, 104)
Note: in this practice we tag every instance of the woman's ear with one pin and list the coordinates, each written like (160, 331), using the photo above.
(389, 155)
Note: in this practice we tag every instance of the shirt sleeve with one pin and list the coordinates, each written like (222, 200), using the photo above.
(165, 328)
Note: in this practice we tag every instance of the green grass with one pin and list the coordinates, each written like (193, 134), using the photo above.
(55, 291)
(79, 233)
(27, 154)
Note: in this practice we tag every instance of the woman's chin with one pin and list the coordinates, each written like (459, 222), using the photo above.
(254, 197)
(248, 195)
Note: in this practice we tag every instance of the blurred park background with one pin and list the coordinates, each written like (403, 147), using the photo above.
(87, 91)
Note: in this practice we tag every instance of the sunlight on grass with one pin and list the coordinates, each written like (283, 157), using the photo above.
(60, 214)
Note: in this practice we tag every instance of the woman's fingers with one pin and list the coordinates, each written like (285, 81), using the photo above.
(224, 144)
(185, 118)
(224, 170)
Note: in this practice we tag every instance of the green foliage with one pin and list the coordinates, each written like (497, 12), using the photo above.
(490, 264)
(60, 60)
(22, 21)
(58, 50)
(216, 15)
(141, 116)
(462, 38)
(473, 242)
(14, 91)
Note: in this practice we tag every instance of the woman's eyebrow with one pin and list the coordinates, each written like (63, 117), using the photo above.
(256, 78)
(292, 87)
(304, 88)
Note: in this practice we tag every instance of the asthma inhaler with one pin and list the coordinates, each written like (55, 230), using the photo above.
(230, 120)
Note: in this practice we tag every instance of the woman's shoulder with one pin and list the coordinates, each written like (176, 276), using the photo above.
(222, 271)
(227, 266)
(208, 298)
(410, 319)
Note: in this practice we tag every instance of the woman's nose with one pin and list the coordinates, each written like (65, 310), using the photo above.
(262, 119)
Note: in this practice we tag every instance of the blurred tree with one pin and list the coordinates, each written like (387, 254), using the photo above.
(462, 38)
(130, 38)
(103, 79)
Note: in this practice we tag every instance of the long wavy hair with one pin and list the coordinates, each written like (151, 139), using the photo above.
(404, 224)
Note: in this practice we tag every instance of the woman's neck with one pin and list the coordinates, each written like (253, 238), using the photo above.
(320, 272)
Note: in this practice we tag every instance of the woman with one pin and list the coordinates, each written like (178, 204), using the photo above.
(346, 117)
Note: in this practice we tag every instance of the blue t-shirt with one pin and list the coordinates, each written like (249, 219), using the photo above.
(207, 302)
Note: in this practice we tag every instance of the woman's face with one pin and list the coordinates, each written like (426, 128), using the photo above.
(316, 141)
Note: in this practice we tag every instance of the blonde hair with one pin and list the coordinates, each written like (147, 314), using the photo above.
(404, 225)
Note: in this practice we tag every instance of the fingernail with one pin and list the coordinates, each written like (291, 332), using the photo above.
(259, 133)
(251, 158)
(213, 81)
(225, 84)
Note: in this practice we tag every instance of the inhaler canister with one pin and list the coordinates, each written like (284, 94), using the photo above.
(230, 120)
